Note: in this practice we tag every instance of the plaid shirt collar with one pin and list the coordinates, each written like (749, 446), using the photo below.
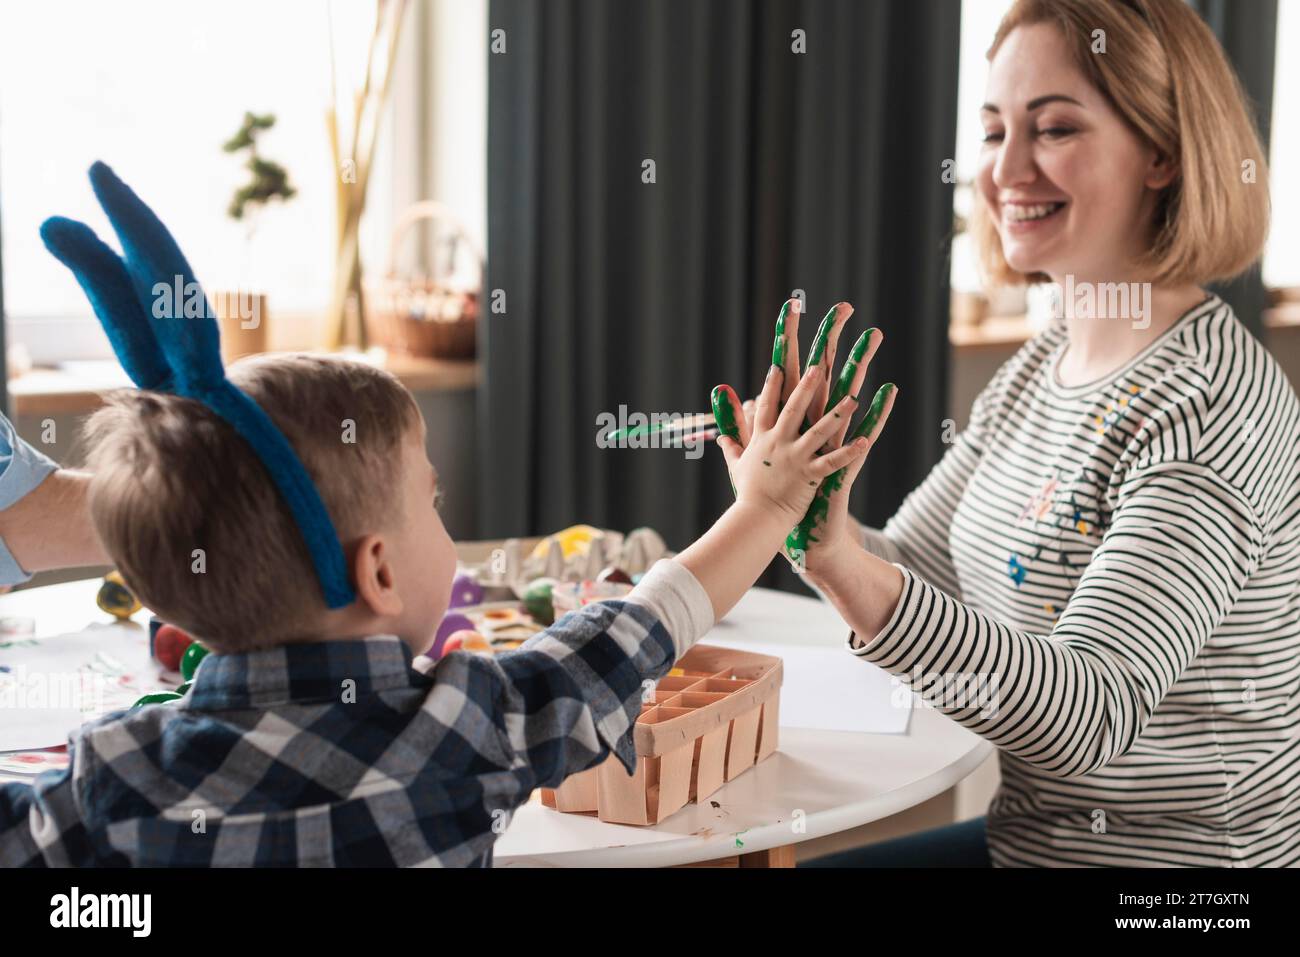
(300, 673)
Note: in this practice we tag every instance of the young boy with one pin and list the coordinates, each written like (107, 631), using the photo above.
(307, 737)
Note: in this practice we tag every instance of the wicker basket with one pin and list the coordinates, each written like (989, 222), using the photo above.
(428, 316)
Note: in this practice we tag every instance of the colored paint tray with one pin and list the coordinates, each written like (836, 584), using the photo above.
(707, 723)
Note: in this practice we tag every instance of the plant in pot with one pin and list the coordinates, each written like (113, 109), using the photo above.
(242, 313)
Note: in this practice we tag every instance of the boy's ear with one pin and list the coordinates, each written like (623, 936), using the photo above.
(375, 577)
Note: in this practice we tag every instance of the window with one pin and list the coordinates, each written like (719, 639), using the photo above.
(154, 90)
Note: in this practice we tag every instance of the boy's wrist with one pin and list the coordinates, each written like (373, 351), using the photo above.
(772, 522)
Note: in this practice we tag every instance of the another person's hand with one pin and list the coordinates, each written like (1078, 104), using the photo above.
(778, 471)
(826, 526)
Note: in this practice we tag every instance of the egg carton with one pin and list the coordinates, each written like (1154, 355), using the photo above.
(708, 722)
(512, 566)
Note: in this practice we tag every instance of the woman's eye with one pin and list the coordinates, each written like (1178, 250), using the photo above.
(993, 136)
(1055, 132)
(438, 499)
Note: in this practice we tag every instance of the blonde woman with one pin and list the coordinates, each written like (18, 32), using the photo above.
(1111, 550)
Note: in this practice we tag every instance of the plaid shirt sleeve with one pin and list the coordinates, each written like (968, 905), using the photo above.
(572, 693)
(41, 824)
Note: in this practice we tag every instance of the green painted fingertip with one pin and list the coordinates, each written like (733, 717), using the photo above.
(819, 341)
(850, 369)
(724, 412)
(778, 343)
(874, 411)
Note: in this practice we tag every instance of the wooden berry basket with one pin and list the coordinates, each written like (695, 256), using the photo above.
(705, 726)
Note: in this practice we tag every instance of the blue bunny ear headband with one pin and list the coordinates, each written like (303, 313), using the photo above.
(182, 355)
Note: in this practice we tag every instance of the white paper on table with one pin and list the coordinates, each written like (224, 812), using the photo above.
(828, 689)
(51, 686)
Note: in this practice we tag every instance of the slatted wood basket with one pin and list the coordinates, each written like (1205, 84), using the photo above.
(701, 728)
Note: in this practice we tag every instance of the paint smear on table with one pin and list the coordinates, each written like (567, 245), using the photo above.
(50, 687)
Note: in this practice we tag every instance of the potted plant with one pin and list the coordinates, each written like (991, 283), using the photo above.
(242, 314)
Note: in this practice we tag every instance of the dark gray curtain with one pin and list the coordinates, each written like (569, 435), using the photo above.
(1248, 31)
(775, 171)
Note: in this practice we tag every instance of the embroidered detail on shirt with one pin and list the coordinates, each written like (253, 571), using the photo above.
(1116, 409)
(1016, 570)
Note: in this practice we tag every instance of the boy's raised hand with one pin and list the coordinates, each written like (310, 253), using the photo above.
(825, 525)
(779, 470)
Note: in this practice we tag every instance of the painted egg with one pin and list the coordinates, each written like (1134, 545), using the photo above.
(115, 598)
(537, 600)
(159, 697)
(614, 574)
(452, 622)
(465, 591)
(169, 645)
(194, 654)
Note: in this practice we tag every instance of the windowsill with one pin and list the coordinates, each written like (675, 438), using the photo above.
(77, 387)
(997, 332)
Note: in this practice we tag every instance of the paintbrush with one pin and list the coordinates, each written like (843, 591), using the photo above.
(698, 427)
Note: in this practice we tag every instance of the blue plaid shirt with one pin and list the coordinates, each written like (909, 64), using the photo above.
(342, 753)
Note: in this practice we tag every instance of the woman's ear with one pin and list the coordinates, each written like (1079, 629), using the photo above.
(1162, 171)
(376, 579)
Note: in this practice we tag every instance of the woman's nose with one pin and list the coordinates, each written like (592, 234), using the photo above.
(1014, 165)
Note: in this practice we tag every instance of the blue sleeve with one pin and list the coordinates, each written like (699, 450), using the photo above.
(22, 468)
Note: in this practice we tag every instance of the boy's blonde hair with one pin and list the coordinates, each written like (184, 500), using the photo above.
(1165, 74)
(193, 521)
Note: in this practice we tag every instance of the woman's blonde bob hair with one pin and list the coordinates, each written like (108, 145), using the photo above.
(1165, 74)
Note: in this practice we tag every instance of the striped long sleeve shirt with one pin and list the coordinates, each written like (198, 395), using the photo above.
(1115, 568)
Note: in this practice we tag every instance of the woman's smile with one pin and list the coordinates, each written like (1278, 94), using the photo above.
(1020, 218)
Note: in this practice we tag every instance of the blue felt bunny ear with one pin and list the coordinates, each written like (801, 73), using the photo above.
(165, 350)
(108, 287)
(157, 268)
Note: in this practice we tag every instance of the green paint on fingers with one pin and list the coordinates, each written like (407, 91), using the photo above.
(778, 343)
(845, 381)
(868, 423)
(724, 411)
(819, 341)
(802, 535)
(724, 414)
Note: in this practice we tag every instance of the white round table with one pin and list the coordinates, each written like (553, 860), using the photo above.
(818, 783)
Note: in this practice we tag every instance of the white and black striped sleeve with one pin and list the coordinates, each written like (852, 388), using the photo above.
(917, 534)
(1178, 552)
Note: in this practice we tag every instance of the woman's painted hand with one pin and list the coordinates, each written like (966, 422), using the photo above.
(825, 525)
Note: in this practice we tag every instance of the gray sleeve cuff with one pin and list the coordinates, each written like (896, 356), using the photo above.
(11, 573)
(675, 597)
(22, 467)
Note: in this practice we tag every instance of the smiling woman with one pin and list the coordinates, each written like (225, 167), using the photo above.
(1148, 91)
(1115, 537)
